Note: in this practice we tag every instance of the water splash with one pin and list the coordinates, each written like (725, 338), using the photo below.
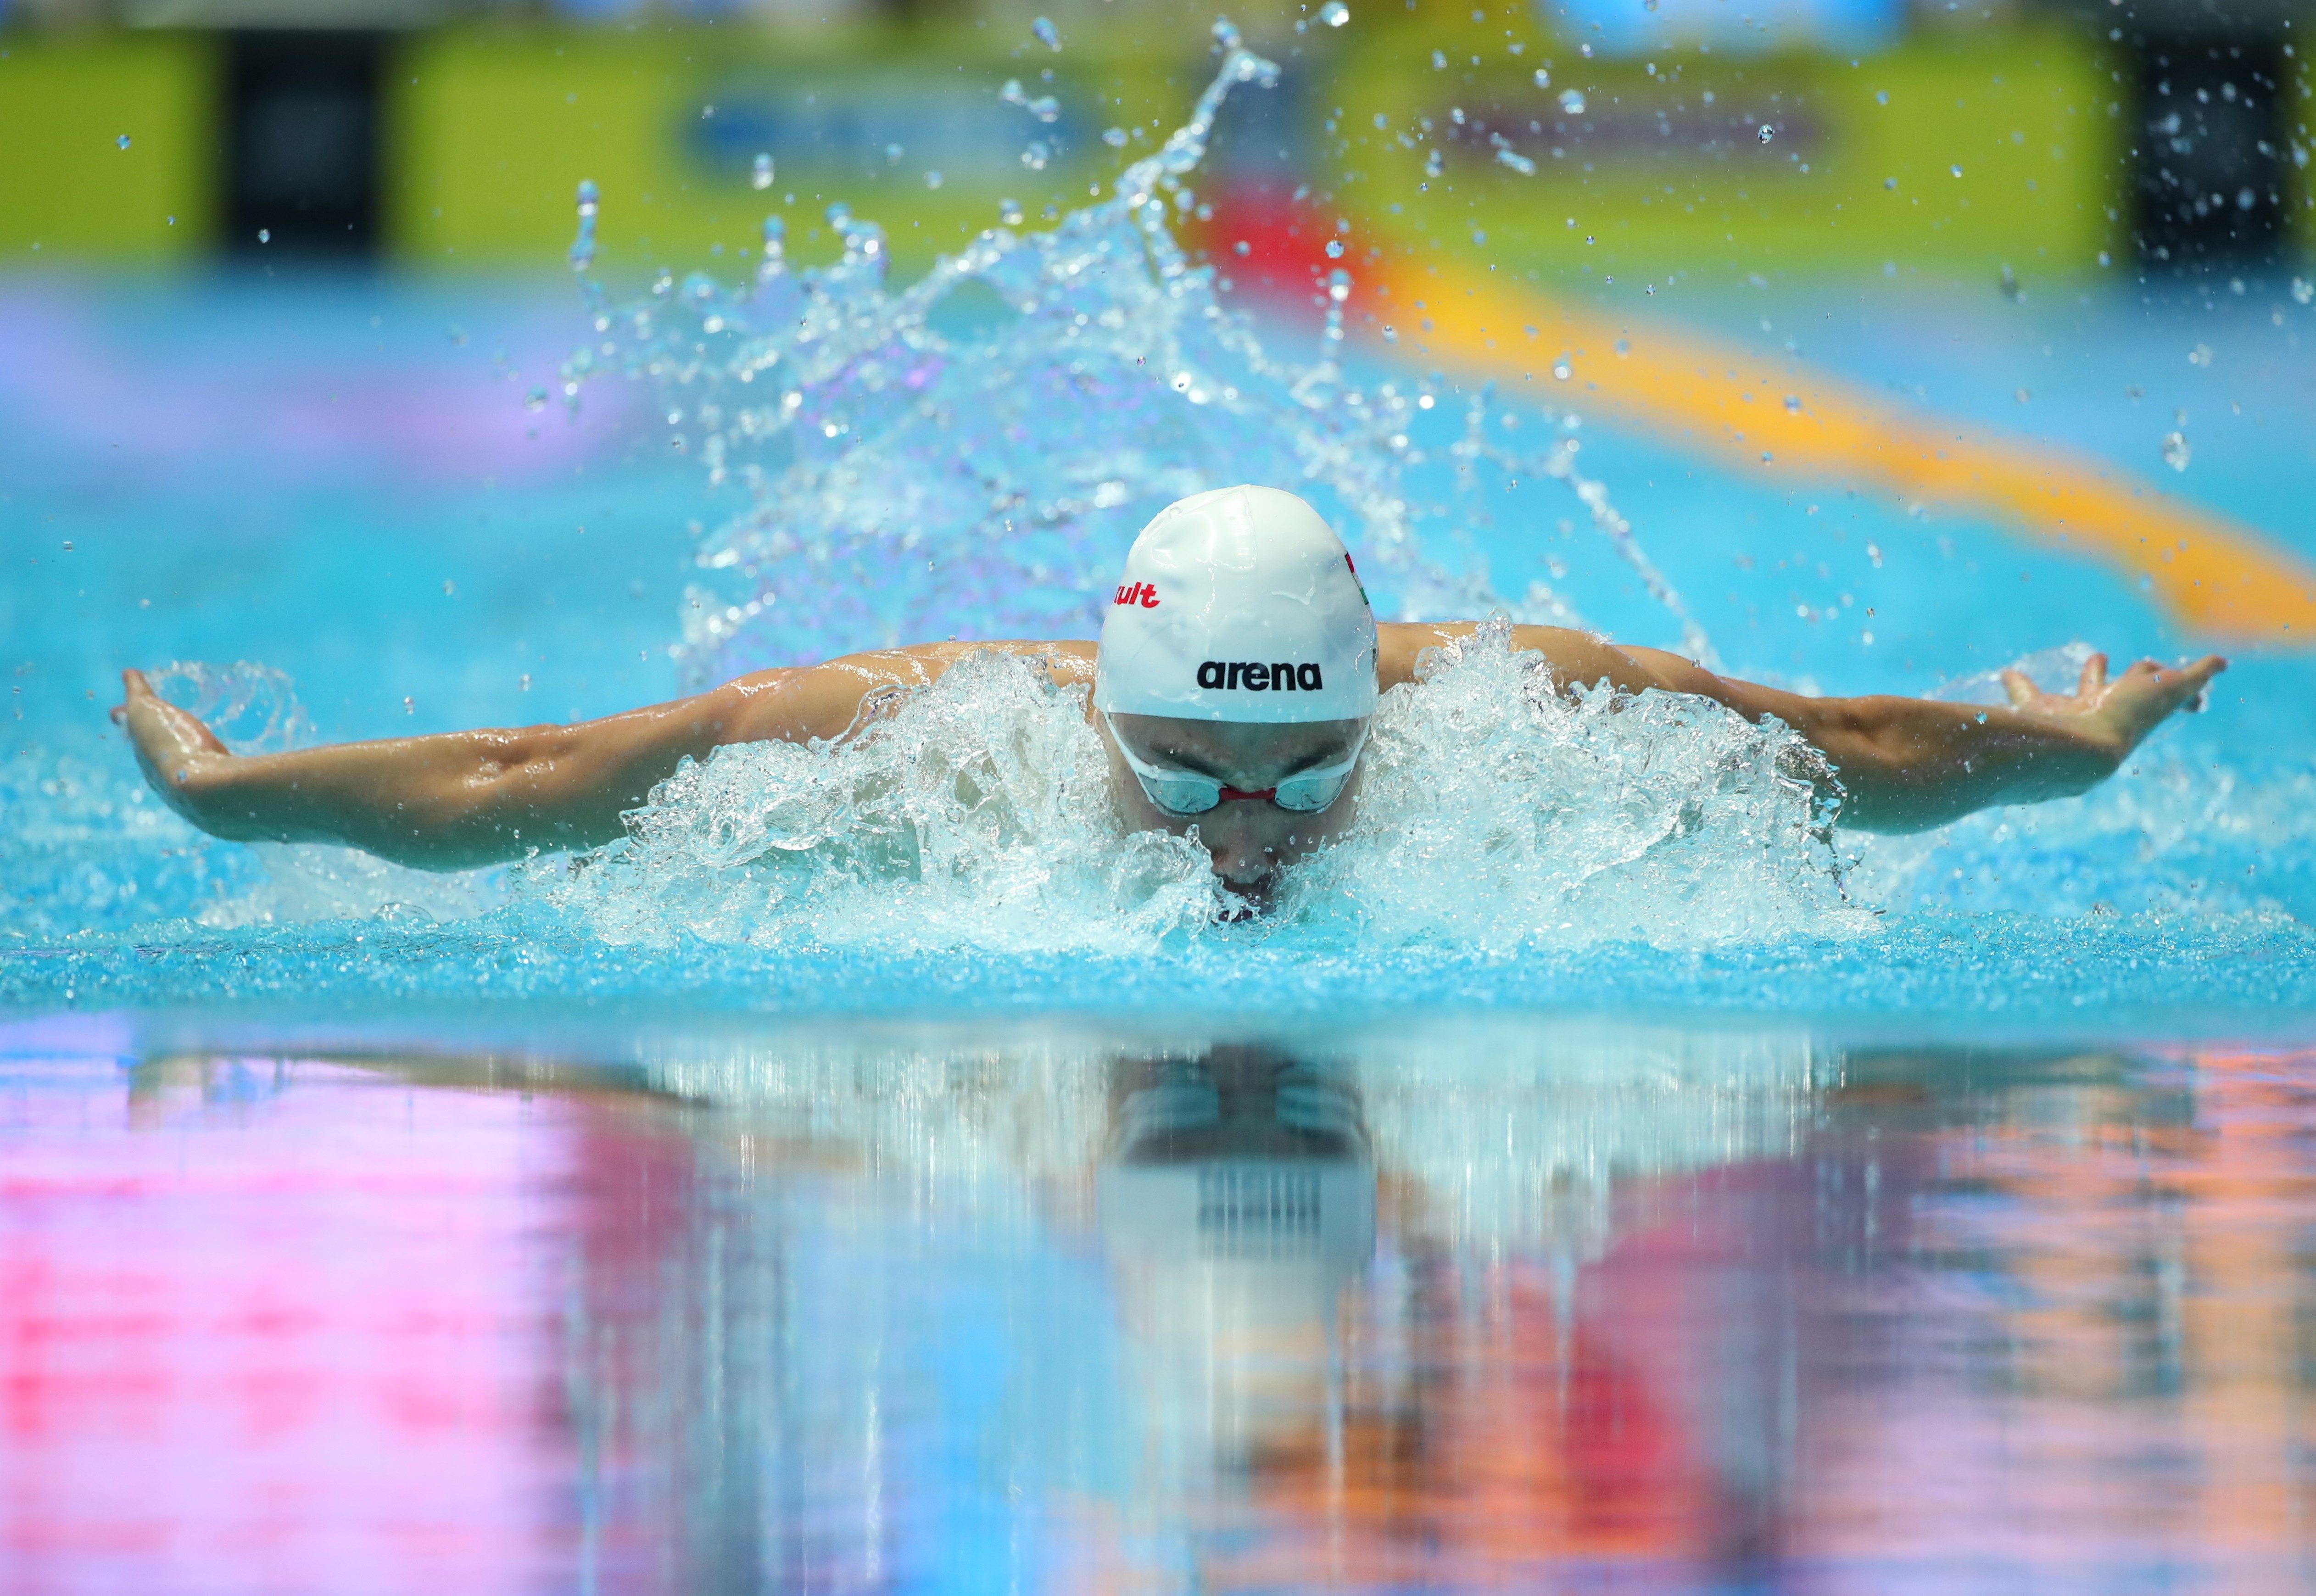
(1496, 813)
(252, 709)
(977, 813)
(905, 482)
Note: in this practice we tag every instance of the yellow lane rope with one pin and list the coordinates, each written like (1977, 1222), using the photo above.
(2215, 577)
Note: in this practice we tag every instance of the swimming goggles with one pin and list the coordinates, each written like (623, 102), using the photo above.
(1185, 792)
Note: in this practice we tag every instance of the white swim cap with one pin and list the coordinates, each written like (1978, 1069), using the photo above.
(1238, 604)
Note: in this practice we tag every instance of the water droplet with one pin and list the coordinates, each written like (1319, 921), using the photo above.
(1242, 248)
(1438, 60)
(265, 235)
(1571, 101)
(1008, 211)
(1543, 78)
(1563, 370)
(122, 141)
(1334, 249)
(408, 707)
(2175, 451)
(761, 178)
(2302, 289)
(1478, 235)
(1114, 137)
(1889, 183)
(1793, 404)
(582, 242)
(1048, 35)
(1881, 96)
(1767, 133)
(535, 400)
(2022, 395)
(524, 685)
(1226, 35)
(1956, 170)
(1036, 156)
(892, 154)
(1334, 14)
(933, 179)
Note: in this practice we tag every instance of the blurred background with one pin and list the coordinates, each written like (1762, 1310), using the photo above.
(444, 135)
(286, 312)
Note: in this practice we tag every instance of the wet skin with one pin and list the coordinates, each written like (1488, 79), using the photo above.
(455, 800)
(1250, 839)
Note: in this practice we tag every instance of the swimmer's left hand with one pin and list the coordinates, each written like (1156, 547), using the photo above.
(2114, 715)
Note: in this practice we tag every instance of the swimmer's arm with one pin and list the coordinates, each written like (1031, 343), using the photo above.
(457, 800)
(1905, 764)
(1910, 765)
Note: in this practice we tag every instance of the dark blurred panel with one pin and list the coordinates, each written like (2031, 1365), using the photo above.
(301, 142)
(2209, 184)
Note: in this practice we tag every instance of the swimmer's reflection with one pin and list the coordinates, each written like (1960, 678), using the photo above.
(1237, 1202)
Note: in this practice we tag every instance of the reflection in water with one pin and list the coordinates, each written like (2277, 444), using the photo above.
(1493, 1307)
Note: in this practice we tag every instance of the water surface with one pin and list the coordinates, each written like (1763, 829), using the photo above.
(1443, 1305)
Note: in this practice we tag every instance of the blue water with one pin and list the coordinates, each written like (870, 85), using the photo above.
(372, 489)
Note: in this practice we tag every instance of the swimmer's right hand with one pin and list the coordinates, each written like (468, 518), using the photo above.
(174, 748)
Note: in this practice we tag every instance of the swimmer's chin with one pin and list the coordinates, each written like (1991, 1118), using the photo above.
(1247, 900)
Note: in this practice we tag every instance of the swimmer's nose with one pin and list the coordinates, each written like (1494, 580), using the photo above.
(1242, 864)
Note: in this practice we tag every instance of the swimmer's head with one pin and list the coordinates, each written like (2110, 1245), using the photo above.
(1238, 605)
(1236, 676)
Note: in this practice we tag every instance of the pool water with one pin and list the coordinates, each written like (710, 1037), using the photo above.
(1062, 1306)
(875, 1172)
(337, 481)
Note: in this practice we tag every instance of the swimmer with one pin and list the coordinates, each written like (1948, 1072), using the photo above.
(1233, 688)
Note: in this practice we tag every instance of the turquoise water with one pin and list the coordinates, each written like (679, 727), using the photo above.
(367, 506)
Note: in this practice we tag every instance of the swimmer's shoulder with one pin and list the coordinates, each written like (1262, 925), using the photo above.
(1574, 656)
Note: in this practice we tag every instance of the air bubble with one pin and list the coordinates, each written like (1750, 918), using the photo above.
(2175, 451)
(122, 141)
(760, 177)
(1009, 212)
(1543, 78)
(1048, 35)
(1571, 101)
(1767, 133)
(1334, 14)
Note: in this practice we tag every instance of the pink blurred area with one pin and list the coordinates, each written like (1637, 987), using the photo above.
(264, 1341)
(297, 384)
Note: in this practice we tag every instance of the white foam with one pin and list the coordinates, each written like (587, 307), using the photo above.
(1496, 813)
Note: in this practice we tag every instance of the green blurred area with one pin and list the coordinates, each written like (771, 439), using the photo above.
(1947, 153)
